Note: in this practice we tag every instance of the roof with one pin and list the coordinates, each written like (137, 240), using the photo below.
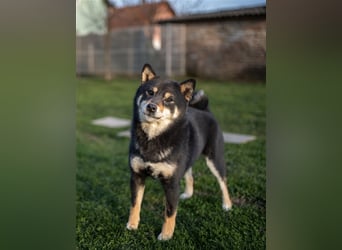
(227, 14)
(140, 15)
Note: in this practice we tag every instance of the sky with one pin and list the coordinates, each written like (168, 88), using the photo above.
(198, 6)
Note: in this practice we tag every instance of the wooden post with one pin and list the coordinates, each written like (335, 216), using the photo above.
(107, 57)
(182, 54)
(168, 50)
(108, 46)
(91, 58)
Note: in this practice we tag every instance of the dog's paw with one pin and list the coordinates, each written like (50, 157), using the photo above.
(227, 207)
(131, 226)
(185, 196)
(164, 237)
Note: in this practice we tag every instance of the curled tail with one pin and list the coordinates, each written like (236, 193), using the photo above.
(199, 101)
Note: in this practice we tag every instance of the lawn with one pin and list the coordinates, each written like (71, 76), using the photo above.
(103, 196)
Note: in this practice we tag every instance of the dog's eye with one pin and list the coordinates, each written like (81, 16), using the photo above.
(150, 92)
(169, 100)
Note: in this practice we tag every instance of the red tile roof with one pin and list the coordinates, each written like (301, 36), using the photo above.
(227, 14)
(140, 15)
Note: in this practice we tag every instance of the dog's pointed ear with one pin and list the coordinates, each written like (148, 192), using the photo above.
(187, 88)
(147, 73)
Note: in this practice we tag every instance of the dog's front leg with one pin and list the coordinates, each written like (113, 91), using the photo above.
(171, 188)
(137, 193)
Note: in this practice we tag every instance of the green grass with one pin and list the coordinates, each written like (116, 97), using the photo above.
(103, 196)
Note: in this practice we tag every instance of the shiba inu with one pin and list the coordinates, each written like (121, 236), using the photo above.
(171, 127)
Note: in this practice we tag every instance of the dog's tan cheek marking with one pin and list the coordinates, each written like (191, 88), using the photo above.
(168, 227)
(161, 107)
(167, 114)
(175, 113)
(134, 215)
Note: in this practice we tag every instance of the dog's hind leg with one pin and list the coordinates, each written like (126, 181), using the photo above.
(137, 193)
(189, 185)
(218, 170)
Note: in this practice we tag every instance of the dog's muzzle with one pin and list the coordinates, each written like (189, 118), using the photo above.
(151, 108)
(149, 112)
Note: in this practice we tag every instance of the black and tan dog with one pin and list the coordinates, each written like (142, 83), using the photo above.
(170, 130)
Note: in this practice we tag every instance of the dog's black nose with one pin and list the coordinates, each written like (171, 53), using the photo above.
(151, 107)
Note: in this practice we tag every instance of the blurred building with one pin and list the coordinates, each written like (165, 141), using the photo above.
(225, 45)
(139, 15)
(142, 15)
(135, 38)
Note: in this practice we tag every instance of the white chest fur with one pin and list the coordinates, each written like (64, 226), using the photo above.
(157, 169)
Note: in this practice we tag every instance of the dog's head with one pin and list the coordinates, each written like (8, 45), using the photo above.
(161, 101)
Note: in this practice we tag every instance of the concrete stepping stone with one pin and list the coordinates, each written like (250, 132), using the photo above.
(112, 122)
(237, 138)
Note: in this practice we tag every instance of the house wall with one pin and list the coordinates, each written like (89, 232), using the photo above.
(227, 50)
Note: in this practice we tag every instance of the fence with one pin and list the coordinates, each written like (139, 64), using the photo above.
(164, 47)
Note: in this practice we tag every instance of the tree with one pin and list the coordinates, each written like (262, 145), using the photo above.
(92, 17)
